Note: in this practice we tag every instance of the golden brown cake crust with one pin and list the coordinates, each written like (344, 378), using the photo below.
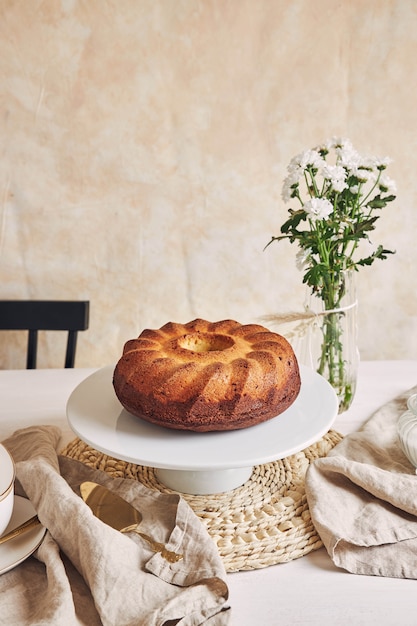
(205, 376)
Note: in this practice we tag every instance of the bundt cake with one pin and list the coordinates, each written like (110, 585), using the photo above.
(206, 376)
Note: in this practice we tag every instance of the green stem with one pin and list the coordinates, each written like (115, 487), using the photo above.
(332, 360)
(371, 190)
(316, 193)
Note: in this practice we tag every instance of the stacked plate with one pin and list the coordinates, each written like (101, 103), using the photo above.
(14, 510)
(7, 474)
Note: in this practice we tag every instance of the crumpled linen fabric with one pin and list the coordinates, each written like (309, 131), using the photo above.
(87, 573)
(363, 498)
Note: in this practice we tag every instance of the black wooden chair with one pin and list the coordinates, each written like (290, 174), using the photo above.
(35, 315)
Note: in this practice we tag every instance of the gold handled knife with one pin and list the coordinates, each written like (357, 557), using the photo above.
(111, 509)
(22, 528)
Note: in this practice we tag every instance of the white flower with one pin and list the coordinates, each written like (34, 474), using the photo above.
(307, 159)
(345, 152)
(387, 185)
(298, 165)
(382, 164)
(336, 175)
(362, 172)
(292, 179)
(310, 158)
(301, 259)
(318, 208)
(336, 143)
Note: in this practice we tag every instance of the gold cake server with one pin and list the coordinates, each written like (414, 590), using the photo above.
(111, 509)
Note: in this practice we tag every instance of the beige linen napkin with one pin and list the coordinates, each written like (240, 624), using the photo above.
(87, 573)
(363, 499)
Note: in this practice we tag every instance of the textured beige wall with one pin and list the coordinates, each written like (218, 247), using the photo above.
(144, 144)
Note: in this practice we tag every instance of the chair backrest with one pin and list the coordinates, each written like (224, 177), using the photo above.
(35, 315)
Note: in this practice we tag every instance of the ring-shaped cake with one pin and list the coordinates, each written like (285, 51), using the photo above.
(205, 376)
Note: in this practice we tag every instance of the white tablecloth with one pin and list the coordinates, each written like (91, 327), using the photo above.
(310, 590)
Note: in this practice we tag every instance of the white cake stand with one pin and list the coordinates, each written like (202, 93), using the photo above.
(199, 463)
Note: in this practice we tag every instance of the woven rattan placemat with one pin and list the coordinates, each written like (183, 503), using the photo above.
(264, 522)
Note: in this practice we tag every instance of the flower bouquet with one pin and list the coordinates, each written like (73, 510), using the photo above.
(340, 196)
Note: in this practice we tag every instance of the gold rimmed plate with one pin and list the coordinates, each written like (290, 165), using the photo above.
(17, 550)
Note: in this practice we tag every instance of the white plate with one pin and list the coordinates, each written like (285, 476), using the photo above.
(97, 417)
(16, 550)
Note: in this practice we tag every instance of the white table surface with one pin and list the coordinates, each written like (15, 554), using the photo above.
(309, 590)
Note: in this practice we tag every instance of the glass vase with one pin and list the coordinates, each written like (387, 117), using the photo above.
(329, 345)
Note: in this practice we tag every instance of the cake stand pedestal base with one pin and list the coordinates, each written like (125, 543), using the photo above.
(202, 482)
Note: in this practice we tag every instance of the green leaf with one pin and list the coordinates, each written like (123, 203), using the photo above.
(314, 276)
(366, 225)
(293, 221)
(380, 203)
(380, 253)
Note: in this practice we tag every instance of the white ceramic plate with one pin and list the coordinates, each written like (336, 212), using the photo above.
(97, 417)
(17, 550)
